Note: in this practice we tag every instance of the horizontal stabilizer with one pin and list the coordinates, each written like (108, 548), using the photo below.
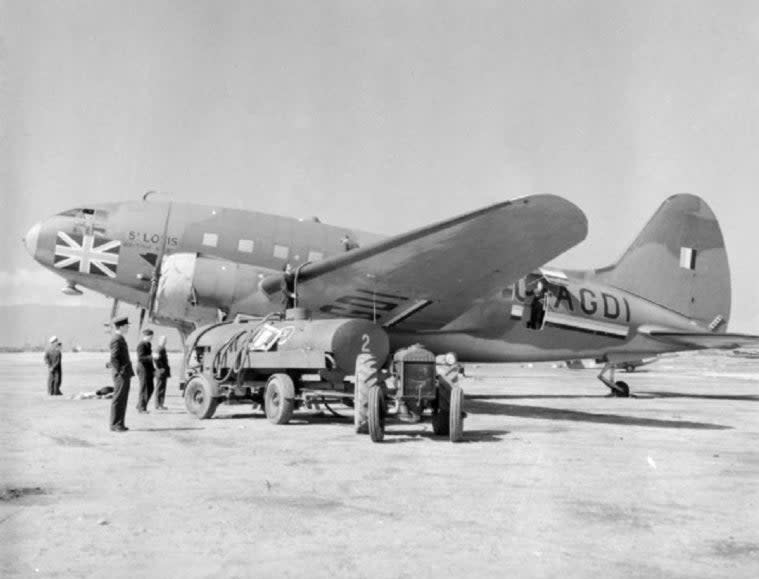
(705, 340)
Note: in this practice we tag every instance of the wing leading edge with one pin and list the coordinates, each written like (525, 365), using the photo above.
(423, 279)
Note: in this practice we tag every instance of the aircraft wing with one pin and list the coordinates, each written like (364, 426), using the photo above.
(705, 340)
(425, 278)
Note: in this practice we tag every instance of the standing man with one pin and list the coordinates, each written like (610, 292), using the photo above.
(145, 370)
(54, 370)
(163, 372)
(121, 369)
(537, 307)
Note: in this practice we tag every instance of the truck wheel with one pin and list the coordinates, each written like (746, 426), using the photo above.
(456, 418)
(376, 413)
(366, 377)
(198, 398)
(279, 399)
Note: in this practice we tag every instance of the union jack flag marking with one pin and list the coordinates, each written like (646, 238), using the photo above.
(85, 254)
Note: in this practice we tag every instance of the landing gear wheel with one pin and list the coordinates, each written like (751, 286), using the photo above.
(624, 389)
(198, 398)
(456, 417)
(366, 377)
(376, 413)
(279, 399)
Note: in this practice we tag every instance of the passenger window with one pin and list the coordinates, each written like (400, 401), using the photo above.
(281, 251)
(210, 239)
(315, 256)
(245, 245)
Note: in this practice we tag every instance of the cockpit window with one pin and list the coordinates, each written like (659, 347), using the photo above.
(73, 212)
(84, 213)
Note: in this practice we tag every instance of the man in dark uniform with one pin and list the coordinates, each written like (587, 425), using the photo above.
(54, 369)
(121, 369)
(537, 307)
(163, 372)
(145, 370)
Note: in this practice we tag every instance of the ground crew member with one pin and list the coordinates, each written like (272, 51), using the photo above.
(537, 307)
(348, 242)
(163, 372)
(145, 370)
(121, 369)
(53, 360)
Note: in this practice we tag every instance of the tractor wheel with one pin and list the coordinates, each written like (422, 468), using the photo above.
(456, 417)
(441, 415)
(279, 399)
(441, 422)
(367, 376)
(198, 398)
(376, 413)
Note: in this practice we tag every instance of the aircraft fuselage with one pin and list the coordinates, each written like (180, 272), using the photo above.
(113, 249)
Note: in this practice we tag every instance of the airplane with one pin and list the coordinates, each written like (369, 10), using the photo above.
(467, 285)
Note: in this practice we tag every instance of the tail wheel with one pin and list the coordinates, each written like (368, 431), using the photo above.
(456, 417)
(279, 399)
(367, 376)
(624, 389)
(198, 398)
(376, 413)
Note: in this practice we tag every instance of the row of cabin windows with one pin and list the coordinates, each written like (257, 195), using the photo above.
(247, 245)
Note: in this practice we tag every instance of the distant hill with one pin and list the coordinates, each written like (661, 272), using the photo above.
(30, 326)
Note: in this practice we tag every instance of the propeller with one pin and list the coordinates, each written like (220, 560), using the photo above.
(153, 291)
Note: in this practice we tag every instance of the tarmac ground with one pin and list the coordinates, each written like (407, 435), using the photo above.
(553, 479)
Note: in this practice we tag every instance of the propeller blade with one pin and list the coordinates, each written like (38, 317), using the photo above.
(153, 291)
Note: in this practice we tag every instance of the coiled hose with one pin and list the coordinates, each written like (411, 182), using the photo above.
(237, 348)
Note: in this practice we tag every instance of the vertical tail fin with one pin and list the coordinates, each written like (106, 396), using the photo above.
(678, 261)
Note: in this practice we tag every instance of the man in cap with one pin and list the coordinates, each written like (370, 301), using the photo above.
(54, 371)
(145, 370)
(121, 369)
(163, 372)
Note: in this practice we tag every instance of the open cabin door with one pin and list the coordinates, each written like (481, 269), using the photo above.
(536, 290)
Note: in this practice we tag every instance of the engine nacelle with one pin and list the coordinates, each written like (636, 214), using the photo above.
(194, 288)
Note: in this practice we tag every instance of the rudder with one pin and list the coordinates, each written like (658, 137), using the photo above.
(678, 261)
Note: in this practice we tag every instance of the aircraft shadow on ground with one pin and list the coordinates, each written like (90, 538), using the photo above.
(546, 413)
(737, 397)
(531, 396)
(166, 429)
(297, 419)
(398, 435)
(393, 429)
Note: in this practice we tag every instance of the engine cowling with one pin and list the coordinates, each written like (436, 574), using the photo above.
(194, 288)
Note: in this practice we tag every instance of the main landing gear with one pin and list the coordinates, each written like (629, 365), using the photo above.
(619, 388)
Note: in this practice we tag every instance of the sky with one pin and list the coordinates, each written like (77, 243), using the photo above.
(381, 116)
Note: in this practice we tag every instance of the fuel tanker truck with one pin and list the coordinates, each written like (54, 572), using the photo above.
(282, 363)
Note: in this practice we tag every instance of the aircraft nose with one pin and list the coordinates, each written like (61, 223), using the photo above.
(31, 237)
